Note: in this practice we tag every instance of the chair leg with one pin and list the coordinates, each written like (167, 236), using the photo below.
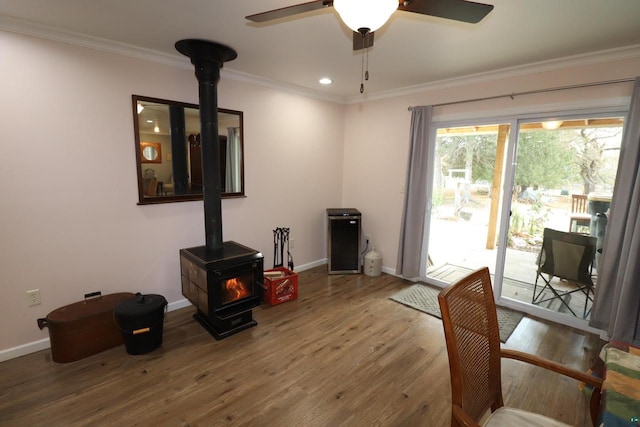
(535, 286)
(536, 298)
(537, 295)
(587, 291)
(557, 295)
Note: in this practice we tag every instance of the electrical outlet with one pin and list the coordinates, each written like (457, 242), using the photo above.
(367, 238)
(292, 244)
(34, 296)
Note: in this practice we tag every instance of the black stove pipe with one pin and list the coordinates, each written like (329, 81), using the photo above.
(208, 57)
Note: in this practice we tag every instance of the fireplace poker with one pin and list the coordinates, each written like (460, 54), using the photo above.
(290, 258)
(276, 239)
(284, 236)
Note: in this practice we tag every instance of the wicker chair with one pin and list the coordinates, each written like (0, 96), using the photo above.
(473, 344)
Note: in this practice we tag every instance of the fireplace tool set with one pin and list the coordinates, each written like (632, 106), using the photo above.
(280, 238)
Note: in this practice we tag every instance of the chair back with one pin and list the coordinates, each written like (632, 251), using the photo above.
(568, 256)
(473, 343)
(579, 203)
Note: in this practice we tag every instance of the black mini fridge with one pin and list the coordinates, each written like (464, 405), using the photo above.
(343, 240)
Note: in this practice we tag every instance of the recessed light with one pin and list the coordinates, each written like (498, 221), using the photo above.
(325, 81)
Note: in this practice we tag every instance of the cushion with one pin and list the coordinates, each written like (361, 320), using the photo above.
(517, 417)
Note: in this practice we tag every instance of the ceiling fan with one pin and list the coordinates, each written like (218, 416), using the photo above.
(458, 10)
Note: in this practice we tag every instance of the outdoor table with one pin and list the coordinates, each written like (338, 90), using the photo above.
(620, 404)
(600, 197)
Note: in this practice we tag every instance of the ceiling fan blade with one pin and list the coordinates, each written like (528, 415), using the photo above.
(360, 42)
(289, 11)
(458, 10)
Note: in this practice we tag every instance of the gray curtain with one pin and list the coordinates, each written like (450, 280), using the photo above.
(415, 196)
(616, 307)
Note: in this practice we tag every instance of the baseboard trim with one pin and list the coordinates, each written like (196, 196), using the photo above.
(311, 265)
(177, 305)
(43, 344)
(23, 350)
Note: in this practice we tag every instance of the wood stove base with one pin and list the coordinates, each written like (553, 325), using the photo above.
(223, 328)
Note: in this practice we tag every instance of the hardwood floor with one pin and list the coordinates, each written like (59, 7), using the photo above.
(341, 354)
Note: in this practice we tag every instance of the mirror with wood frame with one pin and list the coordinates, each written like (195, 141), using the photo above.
(168, 151)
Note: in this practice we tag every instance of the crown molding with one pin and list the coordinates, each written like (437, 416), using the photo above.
(50, 33)
(627, 52)
(55, 34)
(273, 84)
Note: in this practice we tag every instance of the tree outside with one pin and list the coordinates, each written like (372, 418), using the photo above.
(551, 164)
(595, 148)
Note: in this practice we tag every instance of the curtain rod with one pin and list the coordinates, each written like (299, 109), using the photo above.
(531, 92)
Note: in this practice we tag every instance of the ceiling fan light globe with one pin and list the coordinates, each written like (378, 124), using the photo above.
(371, 14)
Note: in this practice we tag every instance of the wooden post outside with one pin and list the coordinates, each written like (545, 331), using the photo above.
(496, 185)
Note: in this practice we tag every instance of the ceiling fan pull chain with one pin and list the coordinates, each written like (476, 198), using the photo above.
(362, 73)
(366, 52)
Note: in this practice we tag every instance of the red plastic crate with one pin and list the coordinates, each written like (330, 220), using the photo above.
(281, 289)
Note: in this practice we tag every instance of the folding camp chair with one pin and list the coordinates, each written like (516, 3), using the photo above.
(567, 256)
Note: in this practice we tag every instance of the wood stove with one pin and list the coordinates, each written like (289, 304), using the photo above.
(222, 279)
(224, 287)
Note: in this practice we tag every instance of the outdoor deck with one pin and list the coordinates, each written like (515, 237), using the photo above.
(458, 245)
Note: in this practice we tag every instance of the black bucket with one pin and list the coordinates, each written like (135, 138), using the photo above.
(141, 320)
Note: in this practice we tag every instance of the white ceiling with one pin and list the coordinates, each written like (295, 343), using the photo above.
(409, 50)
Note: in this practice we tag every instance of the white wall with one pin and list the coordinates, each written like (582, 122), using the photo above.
(69, 222)
(377, 131)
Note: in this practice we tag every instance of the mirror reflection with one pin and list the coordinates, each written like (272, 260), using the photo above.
(151, 152)
(168, 150)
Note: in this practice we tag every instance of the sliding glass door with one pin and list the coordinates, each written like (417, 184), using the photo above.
(466, 199)
(564, 175)
(497, 186)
